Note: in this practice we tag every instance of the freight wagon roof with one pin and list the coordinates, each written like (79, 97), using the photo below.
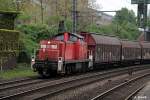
(100, 39)
(145, 44)
(133, 44)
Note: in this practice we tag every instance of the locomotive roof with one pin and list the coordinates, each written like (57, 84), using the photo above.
(76, 35)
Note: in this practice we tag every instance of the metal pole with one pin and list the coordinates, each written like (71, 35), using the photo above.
(74, 16)
(145, 21)
(42, 14)
(65, 9)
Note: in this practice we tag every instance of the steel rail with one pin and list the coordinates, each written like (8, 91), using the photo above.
(14, 81)
(23, 93)
(68, 88)
(47, 86)
(102, 95)
(134, 93)
(14, 86)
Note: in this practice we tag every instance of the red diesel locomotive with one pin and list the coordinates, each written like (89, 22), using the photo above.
(64, 53)
(68, 53)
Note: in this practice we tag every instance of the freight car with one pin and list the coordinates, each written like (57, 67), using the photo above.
(131, 52)
(145, 51)
(104, 49)
(68, 53)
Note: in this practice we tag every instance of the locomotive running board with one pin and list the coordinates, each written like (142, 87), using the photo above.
(76, 61)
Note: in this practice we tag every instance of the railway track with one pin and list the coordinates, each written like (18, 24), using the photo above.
(12, 84)
(20, 84)
(55, 87)
(112, 93)
(14, 81)
(130, 97)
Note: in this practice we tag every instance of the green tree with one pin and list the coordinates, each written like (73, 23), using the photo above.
(125, 20)
(125, 16)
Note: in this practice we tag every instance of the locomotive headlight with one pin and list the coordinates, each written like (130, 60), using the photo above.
(49, 42)
(54, 46)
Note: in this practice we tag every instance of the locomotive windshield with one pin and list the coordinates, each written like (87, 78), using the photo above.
(73, 38)
(59, 37)
(70, 37)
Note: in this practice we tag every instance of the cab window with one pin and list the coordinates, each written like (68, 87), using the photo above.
(81, 41)
(60, 37)
(73, 38)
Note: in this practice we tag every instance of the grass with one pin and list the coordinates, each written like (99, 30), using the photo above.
(20, 71)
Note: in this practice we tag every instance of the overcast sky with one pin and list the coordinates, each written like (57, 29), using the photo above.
(116, 5)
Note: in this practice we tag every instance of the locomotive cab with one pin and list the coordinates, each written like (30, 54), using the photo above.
(60, 54)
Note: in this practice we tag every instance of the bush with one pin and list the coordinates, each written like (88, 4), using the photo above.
(38, 32)
(26, 47)
(30, 37)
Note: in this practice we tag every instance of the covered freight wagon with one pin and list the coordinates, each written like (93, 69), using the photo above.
(145, 45)
(131, 51)
(105, 49)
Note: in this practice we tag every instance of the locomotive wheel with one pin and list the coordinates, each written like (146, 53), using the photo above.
(68, 70)
(40, 73)
(44, 73)
(84, 68)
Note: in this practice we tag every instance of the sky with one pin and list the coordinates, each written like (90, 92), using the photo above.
(116, 5)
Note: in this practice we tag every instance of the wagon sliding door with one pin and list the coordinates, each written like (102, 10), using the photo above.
(107, 53)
